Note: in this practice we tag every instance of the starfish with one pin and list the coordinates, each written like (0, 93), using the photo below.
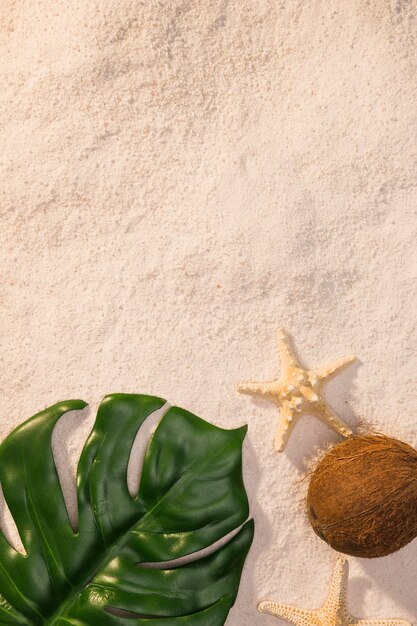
(297, 391)
(334, 611)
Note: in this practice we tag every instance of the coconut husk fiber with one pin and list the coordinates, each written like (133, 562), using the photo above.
(362, 497)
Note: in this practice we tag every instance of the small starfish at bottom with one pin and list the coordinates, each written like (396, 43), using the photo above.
(334, 611)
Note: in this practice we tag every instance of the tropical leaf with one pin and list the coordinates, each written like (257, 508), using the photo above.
(110, 572)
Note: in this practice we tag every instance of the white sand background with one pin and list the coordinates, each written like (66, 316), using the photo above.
(180, 178)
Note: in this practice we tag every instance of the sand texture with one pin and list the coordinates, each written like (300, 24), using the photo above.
(178, 179)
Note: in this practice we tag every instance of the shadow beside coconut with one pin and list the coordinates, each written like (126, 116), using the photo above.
(396, 576)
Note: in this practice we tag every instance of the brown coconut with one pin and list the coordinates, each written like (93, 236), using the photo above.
(362, 497)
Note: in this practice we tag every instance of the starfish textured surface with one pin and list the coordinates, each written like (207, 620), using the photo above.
(334, 611)
(297, 392)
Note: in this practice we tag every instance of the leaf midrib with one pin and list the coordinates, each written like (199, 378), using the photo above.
(112, 550)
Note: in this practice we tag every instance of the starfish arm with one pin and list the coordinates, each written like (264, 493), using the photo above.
(326, 415)
(337, 595)
(285, 427)
(299, 617)
(285, 350)
(265, 390)
(323, 373)
(379, 622)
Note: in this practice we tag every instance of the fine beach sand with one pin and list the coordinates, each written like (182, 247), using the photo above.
(177, 180)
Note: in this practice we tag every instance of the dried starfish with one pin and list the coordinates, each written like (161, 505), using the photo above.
(297, 391)
(334, 611)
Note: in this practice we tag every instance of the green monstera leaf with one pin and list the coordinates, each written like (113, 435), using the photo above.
(111, 571)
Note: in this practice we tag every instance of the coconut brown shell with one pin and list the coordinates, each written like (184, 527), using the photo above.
(362, 497)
